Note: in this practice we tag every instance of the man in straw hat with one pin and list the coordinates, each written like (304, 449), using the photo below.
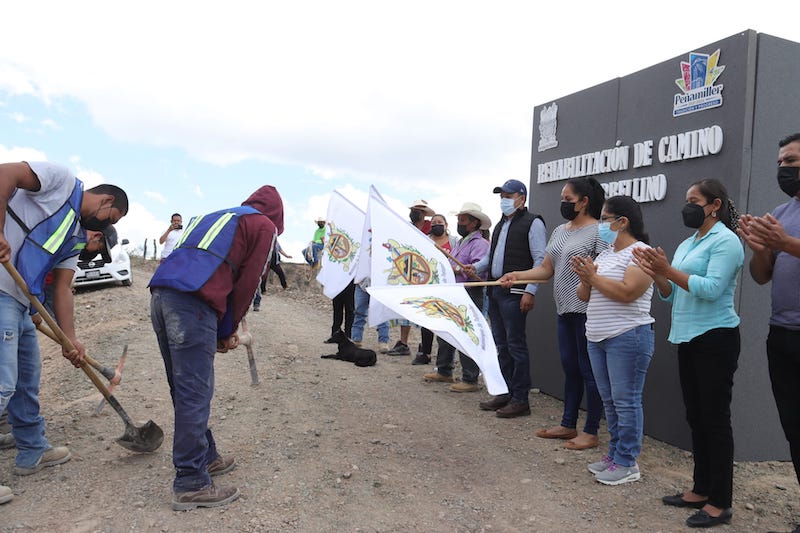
(470, 249)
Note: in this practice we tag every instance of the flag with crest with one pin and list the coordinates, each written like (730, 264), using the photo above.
(401, 255)
(448, 311)
(344, 225)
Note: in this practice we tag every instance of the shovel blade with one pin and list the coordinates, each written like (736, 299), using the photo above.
(146, 438)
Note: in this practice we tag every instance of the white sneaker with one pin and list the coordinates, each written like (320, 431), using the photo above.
(617, 475)
(5, 494)
(383, 347)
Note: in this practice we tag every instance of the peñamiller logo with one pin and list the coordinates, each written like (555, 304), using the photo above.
(697, 84)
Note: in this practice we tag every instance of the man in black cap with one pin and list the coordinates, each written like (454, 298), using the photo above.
(518, 242)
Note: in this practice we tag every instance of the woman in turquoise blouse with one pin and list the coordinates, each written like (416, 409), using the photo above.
(700, 285)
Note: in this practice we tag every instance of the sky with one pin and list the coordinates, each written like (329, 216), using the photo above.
(191, 106)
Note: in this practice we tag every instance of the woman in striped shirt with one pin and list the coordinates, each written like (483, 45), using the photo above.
(581, 202)
(619, 329)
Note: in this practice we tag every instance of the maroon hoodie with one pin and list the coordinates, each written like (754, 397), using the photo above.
(253, 241)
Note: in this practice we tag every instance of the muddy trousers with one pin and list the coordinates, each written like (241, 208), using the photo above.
(186, 329)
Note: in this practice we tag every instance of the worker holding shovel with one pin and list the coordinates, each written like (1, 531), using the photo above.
(44, 215)
(199, 295)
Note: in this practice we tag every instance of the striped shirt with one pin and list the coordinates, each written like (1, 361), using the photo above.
(607, 318)
(563, 245)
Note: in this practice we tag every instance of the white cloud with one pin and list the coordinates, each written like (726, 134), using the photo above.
(157, 196)
(16, 154)
(90, 178)
(50, 124)
(140, 225)
(198, 191)
(17, 117)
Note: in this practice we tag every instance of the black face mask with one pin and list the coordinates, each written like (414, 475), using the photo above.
(693, 215)
(95, 224)
(437, 230)
(462, 230)
(568, 210)
(414, 216)
(789, 180)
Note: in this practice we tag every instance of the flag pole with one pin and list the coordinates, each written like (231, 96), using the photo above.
(457, 262)
(491, 283)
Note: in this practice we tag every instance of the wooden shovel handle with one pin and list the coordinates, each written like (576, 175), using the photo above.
(59, 333)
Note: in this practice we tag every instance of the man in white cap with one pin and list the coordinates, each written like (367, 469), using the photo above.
(417, 213)
(519, 238)
(470, 249)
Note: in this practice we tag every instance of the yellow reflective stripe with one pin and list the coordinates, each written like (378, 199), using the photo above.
(192, 224)
(79, 246)
(57, 238)
(214, 230)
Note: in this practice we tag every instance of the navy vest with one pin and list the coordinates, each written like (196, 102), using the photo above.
(517, 255)
(49, 242)
(202, 248)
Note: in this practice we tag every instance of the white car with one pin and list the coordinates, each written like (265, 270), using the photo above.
(111, 267)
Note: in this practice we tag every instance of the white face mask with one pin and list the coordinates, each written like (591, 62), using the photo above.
(507, 206)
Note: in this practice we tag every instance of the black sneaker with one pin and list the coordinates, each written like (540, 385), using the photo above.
(421, 359)
(399, 349)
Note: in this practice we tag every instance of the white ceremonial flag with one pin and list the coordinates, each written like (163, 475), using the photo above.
(344, 225)
(363, 266)
(401, 255)
(448, 311)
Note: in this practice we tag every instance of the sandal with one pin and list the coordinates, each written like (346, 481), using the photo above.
(556, 433)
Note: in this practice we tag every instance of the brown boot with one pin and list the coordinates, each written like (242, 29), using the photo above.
(208, 496)
(222, 465)
(495, 403)
(435, 376)
(513, 410)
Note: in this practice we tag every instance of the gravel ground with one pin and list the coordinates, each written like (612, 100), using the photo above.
(322, 445)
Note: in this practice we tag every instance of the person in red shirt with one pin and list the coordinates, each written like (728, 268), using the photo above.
(199, 295)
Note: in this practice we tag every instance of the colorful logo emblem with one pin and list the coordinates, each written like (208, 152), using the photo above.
(437, 307)
(341, 247)
(697, 83)
(409, 266)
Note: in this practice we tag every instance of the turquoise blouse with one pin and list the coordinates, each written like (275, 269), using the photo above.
(713, 264)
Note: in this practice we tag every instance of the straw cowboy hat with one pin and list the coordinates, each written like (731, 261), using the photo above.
(474, 210)
(422, 205)
(319, 219)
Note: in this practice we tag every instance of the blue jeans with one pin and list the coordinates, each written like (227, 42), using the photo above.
(316, 248)
(620, 366)
(508, 330)
(360, 318)
(20, 372)
(186, 329)
(577, 373)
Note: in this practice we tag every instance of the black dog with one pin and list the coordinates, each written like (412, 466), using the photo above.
(350, 352)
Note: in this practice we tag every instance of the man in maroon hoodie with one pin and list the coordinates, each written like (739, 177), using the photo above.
(199, 294)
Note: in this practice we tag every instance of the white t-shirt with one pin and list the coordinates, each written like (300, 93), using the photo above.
(607, 318)
(56, 185)
(169, 243)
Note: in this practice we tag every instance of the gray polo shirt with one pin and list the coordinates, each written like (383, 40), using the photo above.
(786, 273)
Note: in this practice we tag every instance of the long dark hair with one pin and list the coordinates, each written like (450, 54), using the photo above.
(625, 206)
(712, 189)
(589, 188)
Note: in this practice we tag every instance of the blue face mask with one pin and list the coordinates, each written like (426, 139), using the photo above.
(507, 206)
(606, 233)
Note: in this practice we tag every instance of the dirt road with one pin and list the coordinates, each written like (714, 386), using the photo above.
(322, 445)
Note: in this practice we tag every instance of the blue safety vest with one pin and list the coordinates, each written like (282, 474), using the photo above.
(202, 248)
(51, 241)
